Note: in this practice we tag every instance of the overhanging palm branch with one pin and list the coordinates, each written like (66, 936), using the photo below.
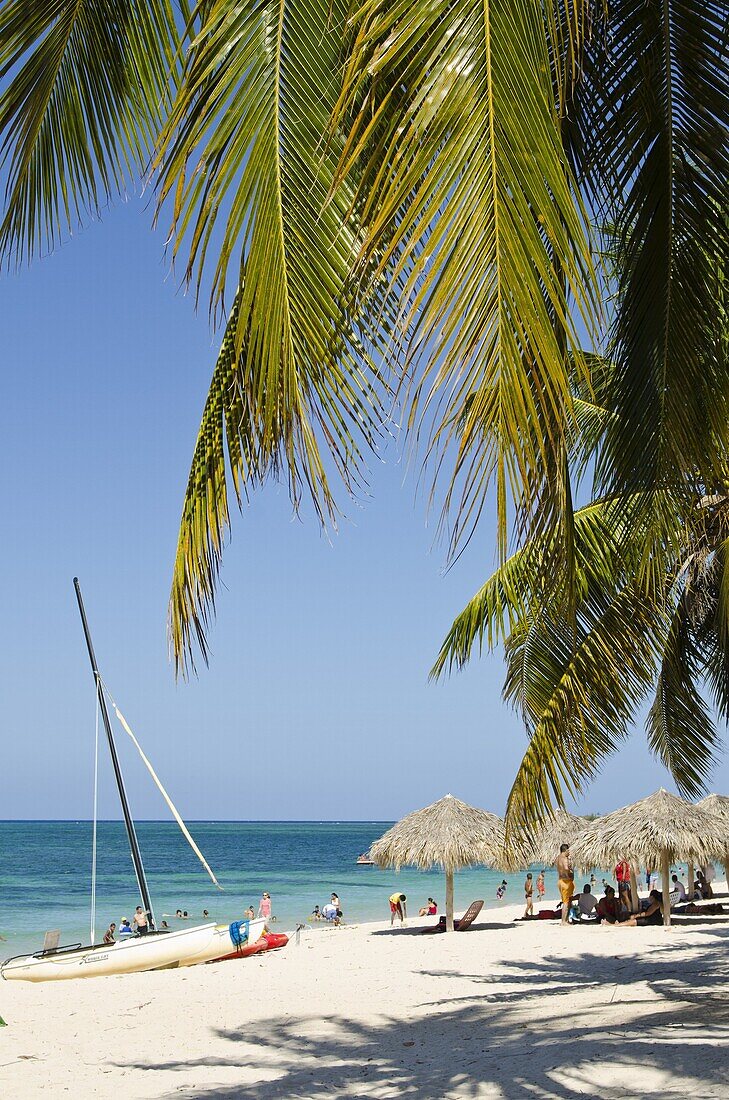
(578, 684)
(294, 393)
(652, 151)
(86, 86)
(454, 143)
(577, 690)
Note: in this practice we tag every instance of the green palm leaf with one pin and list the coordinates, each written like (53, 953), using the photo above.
(680, 728)
(579, 695)
(86, 85)
(294, 393)
(653, 153)
(519, 590)
(467, 197)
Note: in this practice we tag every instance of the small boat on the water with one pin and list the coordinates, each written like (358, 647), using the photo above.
(156, 949)
(365, 861)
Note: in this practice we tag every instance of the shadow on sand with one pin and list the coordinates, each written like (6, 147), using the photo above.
(517, 1034)
(420, 929)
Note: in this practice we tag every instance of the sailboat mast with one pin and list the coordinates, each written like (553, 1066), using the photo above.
(133, 842)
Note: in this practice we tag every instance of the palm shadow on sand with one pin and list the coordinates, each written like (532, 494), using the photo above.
(515, 1035)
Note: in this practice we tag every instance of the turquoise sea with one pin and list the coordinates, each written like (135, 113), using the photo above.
(45, 875)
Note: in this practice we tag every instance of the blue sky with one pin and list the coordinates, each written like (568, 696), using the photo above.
(316, 704)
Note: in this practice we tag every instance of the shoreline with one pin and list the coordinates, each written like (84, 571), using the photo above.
(506, 1010)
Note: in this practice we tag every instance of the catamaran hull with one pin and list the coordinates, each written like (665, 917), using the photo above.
(158, 951)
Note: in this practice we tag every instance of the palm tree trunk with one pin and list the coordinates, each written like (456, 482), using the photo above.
(634, 888)
(449, 901)
(666, 875)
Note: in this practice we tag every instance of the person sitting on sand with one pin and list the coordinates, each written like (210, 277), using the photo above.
(679, 886)
(587, 902)
(397, 908)
(609, 909)
(428, 910)
(653, 914)
(565, 880)
(528, 894)
(109, 934)
(125, 929)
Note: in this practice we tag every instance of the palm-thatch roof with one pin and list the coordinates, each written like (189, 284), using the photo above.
(449, 834)
(718, 806)
(561, 827)
(650, 830)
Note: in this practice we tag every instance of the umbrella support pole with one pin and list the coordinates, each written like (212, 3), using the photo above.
(635, 899)
(691, 880)
(666, 876)
(449, 901)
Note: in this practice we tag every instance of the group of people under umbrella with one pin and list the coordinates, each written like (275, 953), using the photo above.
(654, 832)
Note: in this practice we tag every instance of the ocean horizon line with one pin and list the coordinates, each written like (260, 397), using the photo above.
(203, 820)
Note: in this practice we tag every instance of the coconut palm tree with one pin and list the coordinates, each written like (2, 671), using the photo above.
(580, 667)
(404, 202)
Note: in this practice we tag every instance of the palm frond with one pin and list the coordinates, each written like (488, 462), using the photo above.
(653, 156)
(86, 89)
(679, 725)
(580, 696)
(520, 589)
(295, 393)
(467, 197)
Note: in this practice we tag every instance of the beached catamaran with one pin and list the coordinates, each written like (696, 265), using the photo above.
(157, 949)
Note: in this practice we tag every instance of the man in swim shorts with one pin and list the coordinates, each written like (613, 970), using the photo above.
(529, 895)
(565, 880)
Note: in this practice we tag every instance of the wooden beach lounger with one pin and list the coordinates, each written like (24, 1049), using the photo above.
(462, 923)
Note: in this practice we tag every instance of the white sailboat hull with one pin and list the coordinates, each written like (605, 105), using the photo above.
(155, 951)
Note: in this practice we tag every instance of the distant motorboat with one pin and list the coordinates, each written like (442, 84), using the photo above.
(365, 861)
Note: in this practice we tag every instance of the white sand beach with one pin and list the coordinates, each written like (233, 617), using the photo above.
(506, 1009)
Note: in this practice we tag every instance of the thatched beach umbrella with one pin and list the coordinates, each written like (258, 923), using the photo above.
(655, 831)
(449, 834)
(561, 827)
(718, 806)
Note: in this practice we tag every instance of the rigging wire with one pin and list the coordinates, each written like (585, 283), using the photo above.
(155, 777)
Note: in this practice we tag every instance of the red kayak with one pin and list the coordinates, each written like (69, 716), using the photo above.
(269, 941)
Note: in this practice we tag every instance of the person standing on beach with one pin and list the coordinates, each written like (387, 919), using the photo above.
(528, 894)
(398, 908)
(622, 876)
(565, 880)
(140, 922)
(540, 885)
